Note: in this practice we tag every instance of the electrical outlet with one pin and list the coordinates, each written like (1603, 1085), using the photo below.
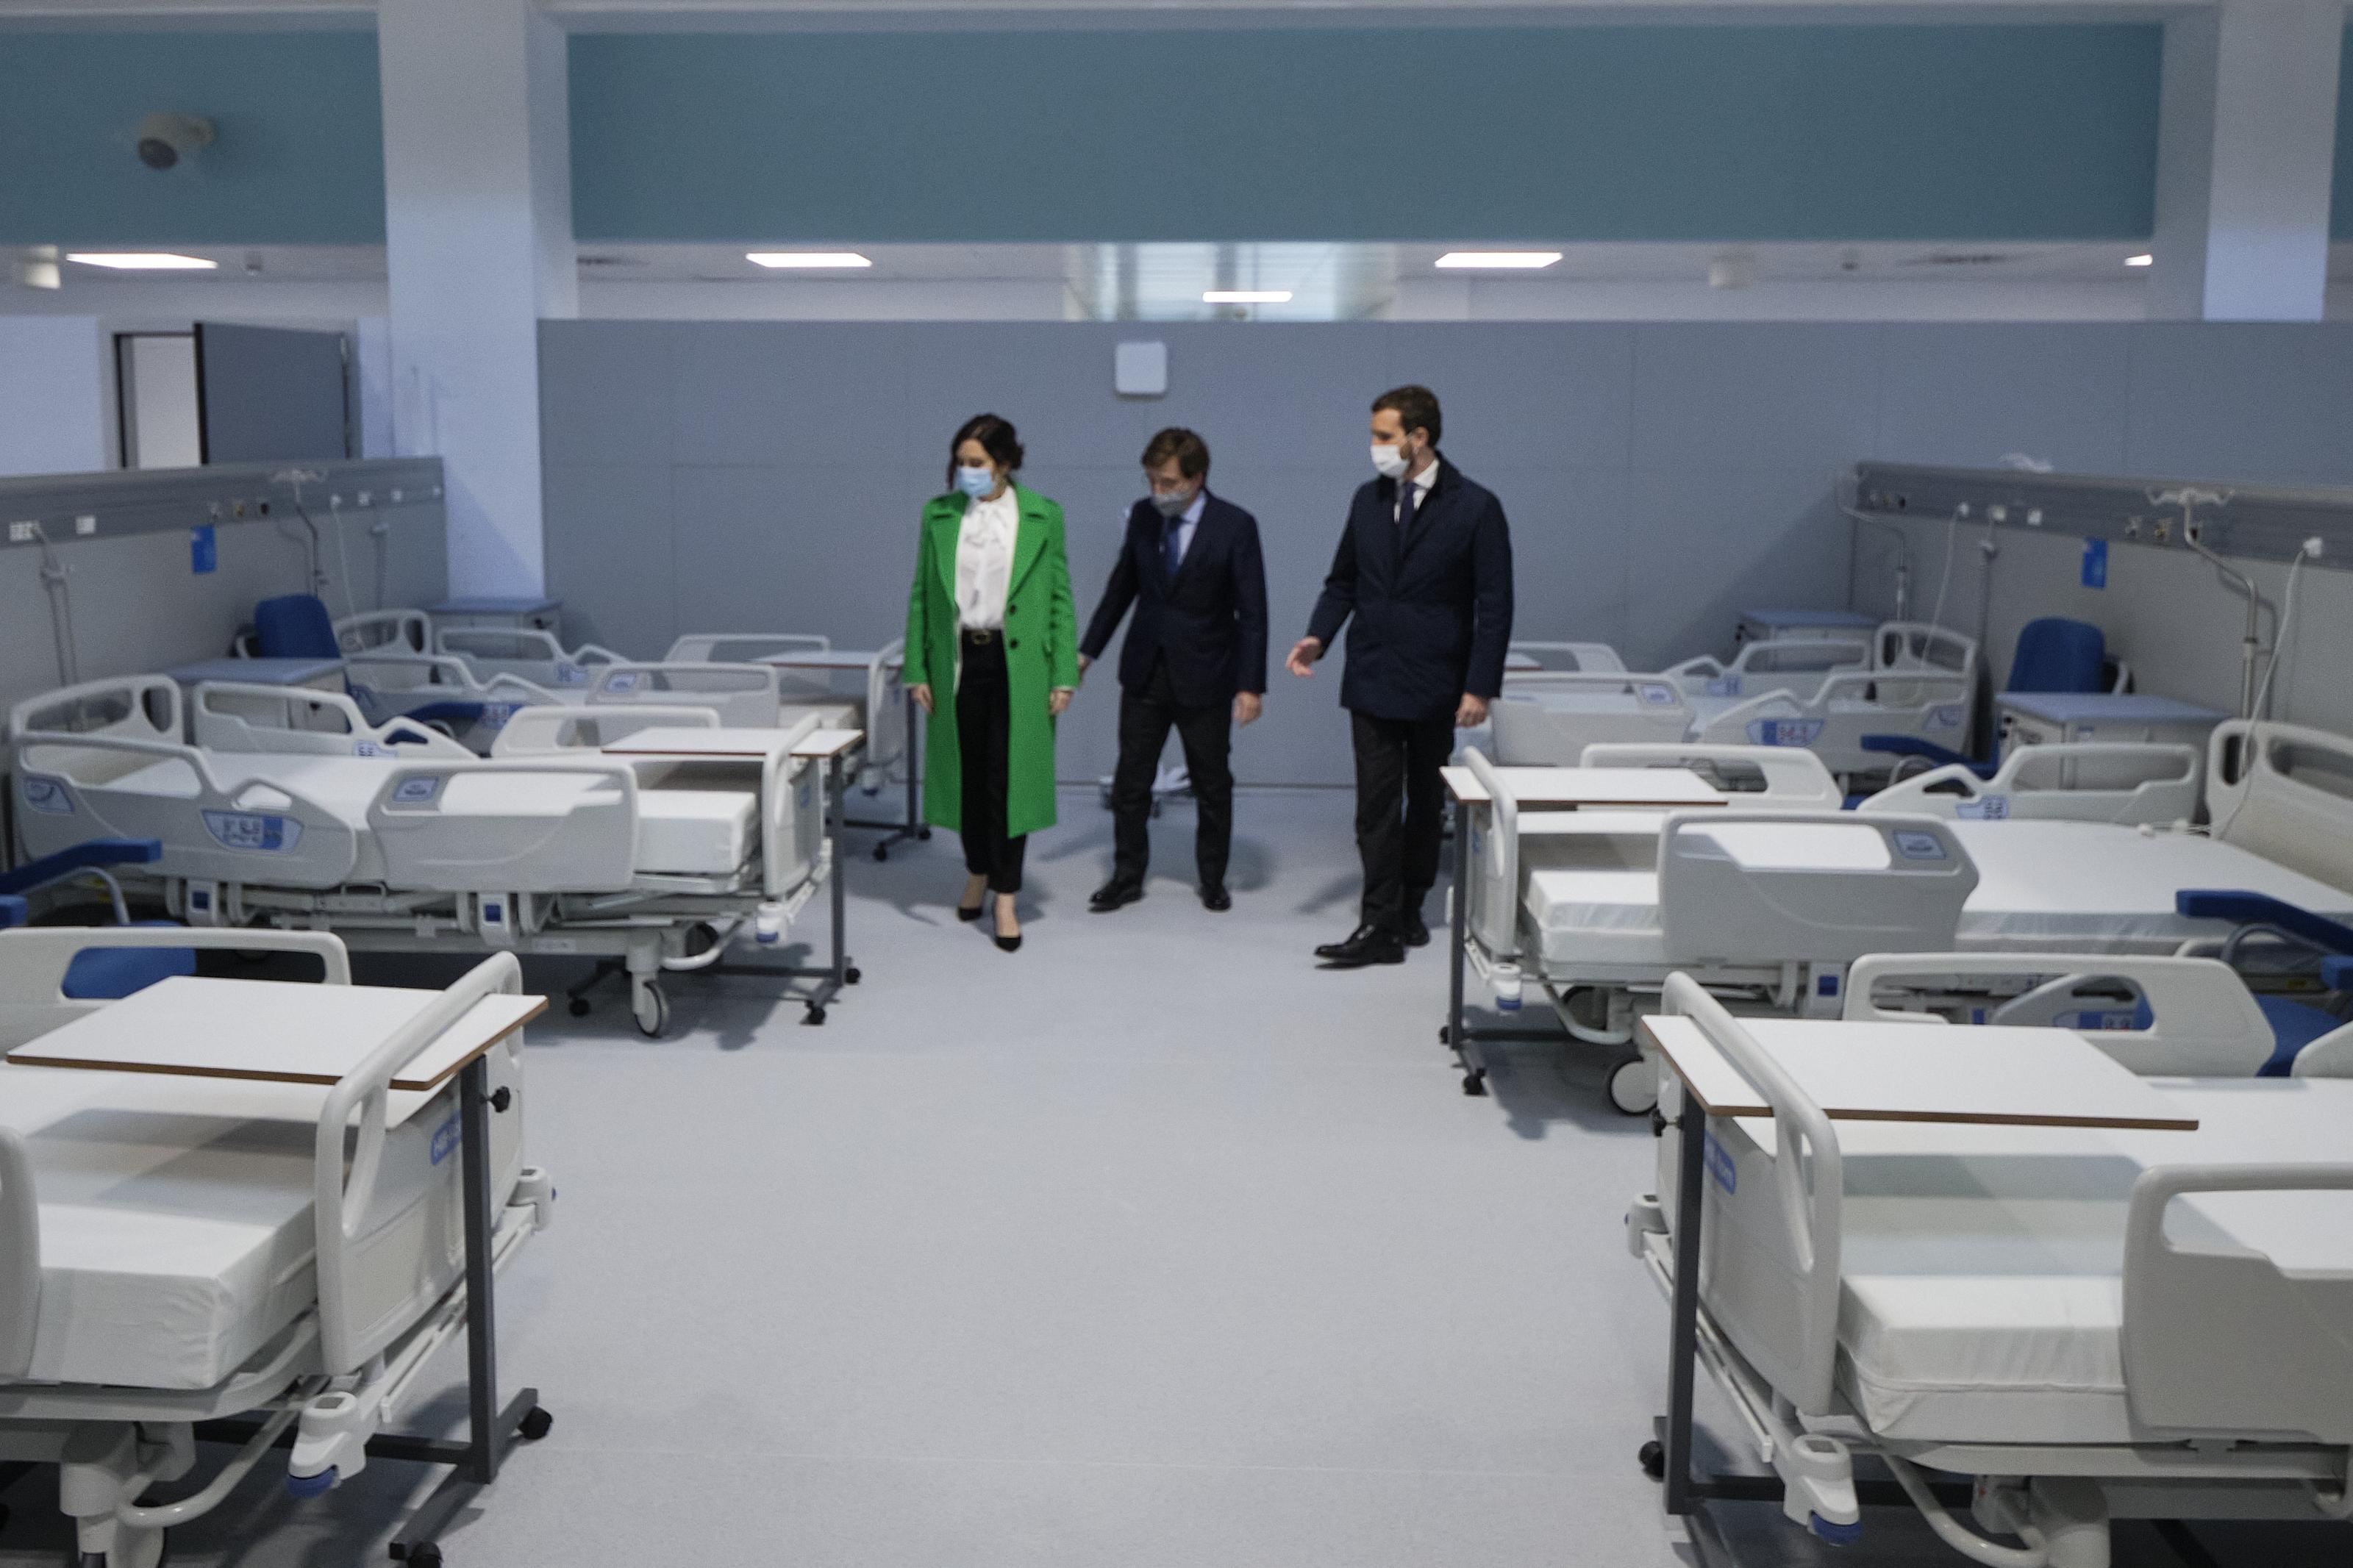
(395, 498)
(24, 533)
(2034, 517)
(2132, 527)
(1999, 512)
(2161, 532)
(85, 525)
(367, 497)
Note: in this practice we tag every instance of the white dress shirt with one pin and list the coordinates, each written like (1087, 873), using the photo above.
(1421, 483)
(984, 562)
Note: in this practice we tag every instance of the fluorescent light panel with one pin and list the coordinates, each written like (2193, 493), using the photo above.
(1246, 296)
(142, 260)
(2142, 261)
(806, 259)
(1498, 261)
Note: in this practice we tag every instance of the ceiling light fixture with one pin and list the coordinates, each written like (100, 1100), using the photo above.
(1246, 296)
(805, 258)
(2143, 259)
(142, 260)
(1498, 261)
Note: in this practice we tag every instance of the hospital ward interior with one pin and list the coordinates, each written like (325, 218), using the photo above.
(1107, 784)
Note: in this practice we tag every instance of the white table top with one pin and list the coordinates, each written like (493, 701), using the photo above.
(271, 1032)
(679, 740)
(1575, 787)
(827, 659)
(822, 743)
(1870, 1071)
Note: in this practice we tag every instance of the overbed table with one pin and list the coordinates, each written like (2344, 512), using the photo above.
(1869, 1071)
(830, 747)
(831, 659)
(273, 1032)
(1554, 789)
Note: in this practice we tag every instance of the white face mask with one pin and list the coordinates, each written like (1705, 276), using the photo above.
(1389, 461)
(975, 482)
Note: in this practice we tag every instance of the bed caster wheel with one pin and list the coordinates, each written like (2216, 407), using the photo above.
(882, 852)
(535, 1424)
(852, 976)
(1445, 1034)
(1475, 1084)
(814, 1017)
(426, 1556)
(1658, 1123)
(580, 1006)
(651, 1007)
(924, 834)
(1633, 1087)
(1654, 1459)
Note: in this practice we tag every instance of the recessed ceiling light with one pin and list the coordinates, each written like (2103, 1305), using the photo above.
(1246, 296)
(806, 259)
(1500, 260)
(2143, 259)
(142, 260)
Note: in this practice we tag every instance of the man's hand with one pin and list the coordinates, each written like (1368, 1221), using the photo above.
(1058, 701)
(1303, 655)
(1083, 662)
(922, 693)
(1247, 705)
(1471, 713)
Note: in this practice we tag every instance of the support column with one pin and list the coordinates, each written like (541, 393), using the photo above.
(478, 228)
(2245, 144)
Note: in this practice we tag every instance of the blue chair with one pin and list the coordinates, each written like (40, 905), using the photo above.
(99, 975)
(2294, 1024)
(2054, 654)
(297, 625)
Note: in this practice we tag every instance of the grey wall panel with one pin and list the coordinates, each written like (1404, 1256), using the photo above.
(1972, 394)
(1568, 551)
(1705, 543)
(1511, 396)
(610, 554)
(270, 395)
(2266, 401)
(1754, 395)
(803, 548)
(778, 393)
(605, 392)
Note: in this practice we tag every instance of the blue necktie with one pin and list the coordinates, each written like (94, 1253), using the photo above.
(1172, 545)
(1406, 494)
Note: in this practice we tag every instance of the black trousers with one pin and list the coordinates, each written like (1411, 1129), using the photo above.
(983, 750)
(1145, 717)
(1400, 815)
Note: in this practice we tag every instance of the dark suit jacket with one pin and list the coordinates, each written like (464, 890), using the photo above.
(1433, 611)
(1209, 624)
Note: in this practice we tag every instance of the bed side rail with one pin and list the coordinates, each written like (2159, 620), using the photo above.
(1592, 657)
(34, 961)
(537, 732)
(1792, 775)
(20, 1254)
(340, 1201)
(515, 826)
(1493, 914)
(2219, 1340)
(1529, 731)
(2285, 793)
(386, 632)
(1809, 892)
(2200, 1021)
(1808, 1184)
(230, 717)
(2089, 781)
(746, 695)
(142, 706)
(1923, 646)
(741, 648)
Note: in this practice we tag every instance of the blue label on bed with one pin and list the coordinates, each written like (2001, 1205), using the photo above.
(805, 795)
(1919, 846)
(445, 1139)
(263, 832)
(496, 714)
(1724, 686)
(2099, 1019)
(1783, 731)
(415, 792)
(49, 795)
(1984, 809)
(1948, 716)
(1720, 1167)
(1655, 694)
(625, 681)
(570, 674)
(368, 749)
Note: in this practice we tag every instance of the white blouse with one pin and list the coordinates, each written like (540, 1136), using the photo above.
(984, 562)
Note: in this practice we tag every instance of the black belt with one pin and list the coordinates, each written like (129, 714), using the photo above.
(979, 637)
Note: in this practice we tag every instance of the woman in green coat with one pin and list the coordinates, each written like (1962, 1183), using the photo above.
(993, 658)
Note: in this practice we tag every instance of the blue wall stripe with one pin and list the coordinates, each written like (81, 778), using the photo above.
(2340, 206)
(300, 159)
(2007, 131)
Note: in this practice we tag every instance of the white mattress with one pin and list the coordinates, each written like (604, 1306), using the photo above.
(175, 1232)
(1983, 1297)
(2072, 885)
(701, 832)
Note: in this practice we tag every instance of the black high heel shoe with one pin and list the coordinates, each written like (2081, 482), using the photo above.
(1006, 944)
(973, 911)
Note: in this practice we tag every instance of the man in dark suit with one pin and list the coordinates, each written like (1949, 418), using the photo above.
(1425, 567)
(1195, 660)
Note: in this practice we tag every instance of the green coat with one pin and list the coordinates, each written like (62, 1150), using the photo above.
(1041, 652)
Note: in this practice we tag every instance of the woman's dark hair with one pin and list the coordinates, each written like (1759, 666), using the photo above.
(997, 439)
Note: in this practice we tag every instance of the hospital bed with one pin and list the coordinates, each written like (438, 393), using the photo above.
(2045, 1277)
(1595, 909)
(278, 1253)
(288, 809)
(2091, 780)
(1822, 695)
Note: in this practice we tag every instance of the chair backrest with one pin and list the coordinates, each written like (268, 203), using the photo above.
(295, 625)
(2058, 655)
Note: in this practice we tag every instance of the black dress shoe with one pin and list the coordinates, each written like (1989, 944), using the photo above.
(1366, 945)
(1415, 934)
(1113, 895)
(1215, 899)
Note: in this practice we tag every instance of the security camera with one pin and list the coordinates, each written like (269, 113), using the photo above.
(166, 138)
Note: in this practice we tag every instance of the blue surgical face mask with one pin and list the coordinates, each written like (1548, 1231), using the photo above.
(975, 482)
